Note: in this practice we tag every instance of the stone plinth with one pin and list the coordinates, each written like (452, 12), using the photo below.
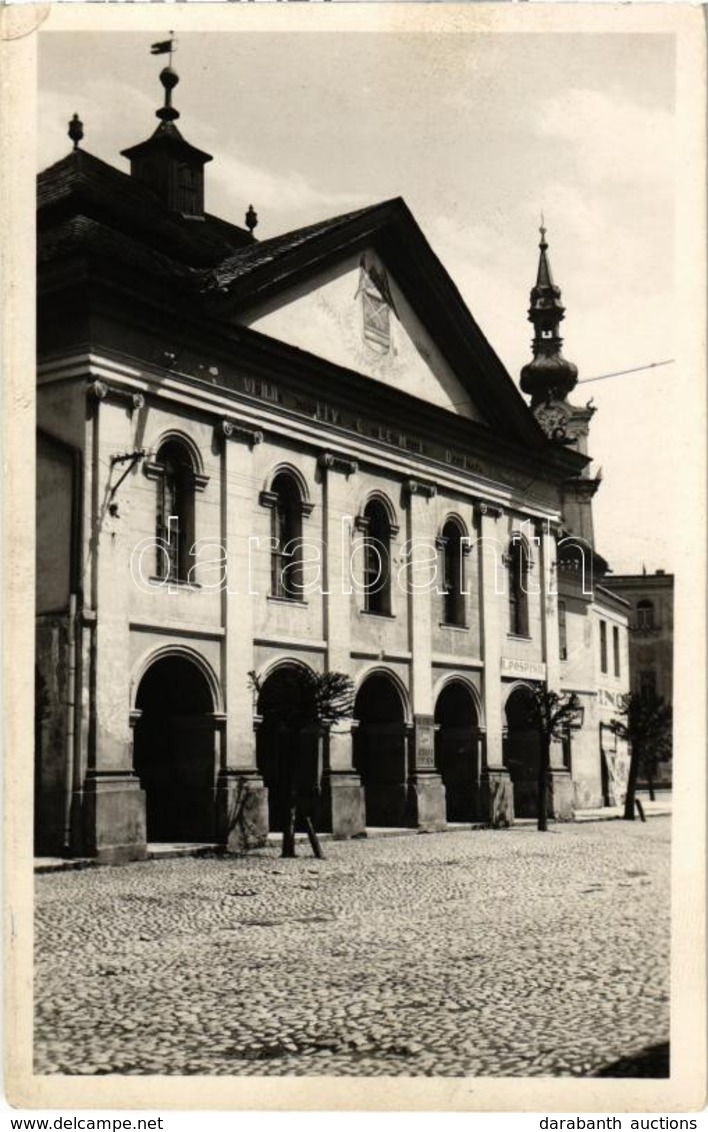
(342, 809)
(114, 817)
(425, 803)
(560, 796)
(497, 797)
(241, 810)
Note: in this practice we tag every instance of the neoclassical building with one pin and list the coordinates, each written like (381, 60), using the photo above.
(297, 452)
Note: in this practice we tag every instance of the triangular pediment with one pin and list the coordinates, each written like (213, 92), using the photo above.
(356, 314)
(305, 289)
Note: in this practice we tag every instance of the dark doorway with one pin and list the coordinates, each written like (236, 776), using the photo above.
(522, 752)
(380, 751)
(174, 751)
(284, 756)
(457, 751)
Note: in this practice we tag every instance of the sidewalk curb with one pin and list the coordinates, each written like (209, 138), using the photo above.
(43, 866)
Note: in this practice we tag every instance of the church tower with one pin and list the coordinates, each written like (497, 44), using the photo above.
(548, 379)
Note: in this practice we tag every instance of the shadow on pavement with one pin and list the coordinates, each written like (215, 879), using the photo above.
(650, 1062)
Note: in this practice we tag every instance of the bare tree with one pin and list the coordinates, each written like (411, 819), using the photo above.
(646, 723)
(301, 699)
(551, 714)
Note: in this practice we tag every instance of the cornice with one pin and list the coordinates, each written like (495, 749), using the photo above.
(276, 422)
(207, 345)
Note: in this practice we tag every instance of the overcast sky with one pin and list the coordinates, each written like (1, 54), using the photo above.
(478, 133)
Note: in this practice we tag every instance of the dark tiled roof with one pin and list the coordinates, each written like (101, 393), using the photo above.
(247, 260)
(83, 234)
(82, 185)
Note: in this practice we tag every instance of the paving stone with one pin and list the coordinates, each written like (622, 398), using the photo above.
(463, 954)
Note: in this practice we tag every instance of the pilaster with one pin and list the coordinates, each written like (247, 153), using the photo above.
(337, 472)
(242, 800)
(491, 588)
(548, 577)
(426, 793)
(113, 805)
(342, 798)
(421, 537)
(497, 799)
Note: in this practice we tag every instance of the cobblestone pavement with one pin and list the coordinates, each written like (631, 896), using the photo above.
(507, 953)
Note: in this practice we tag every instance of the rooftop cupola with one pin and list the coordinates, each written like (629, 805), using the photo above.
(549, 375)
(166, 163)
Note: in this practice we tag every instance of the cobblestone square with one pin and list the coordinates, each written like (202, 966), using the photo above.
(503, 953)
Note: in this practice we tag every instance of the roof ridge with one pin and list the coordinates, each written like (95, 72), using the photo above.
(79, 157)
(287, 241)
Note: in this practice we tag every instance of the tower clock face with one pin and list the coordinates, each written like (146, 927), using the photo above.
(553, 419)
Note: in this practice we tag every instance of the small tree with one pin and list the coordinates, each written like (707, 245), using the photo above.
(551, 714)
(646, 725)
(298, 700)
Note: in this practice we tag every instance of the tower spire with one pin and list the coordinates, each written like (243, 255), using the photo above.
(548, 376)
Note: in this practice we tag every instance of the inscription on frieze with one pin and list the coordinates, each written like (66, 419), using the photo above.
(330, 414)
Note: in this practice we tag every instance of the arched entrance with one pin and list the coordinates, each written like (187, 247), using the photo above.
(380, 750)
(287, 758)
(522, 752)
(457, 750)
(174, 751)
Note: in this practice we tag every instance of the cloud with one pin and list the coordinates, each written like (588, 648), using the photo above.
(282, 199)
(613, 140)
(100, 104)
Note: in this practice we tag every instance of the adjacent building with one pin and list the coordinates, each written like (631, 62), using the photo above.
(301, 452)
(651, 639)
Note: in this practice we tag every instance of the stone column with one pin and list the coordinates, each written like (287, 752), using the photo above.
(497, 799)
(342, 793)
(560, 787)
(426, 793)
(113, 806)
(241, 798)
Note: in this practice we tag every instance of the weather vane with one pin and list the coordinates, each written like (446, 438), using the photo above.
(164, 47)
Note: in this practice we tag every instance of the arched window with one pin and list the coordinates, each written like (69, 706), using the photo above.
(645, 614)
(175, 511)
(377, 558)
(518, 567)
(286, 545)
(453, 574)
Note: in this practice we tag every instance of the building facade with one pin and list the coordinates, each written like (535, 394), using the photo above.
(651, 639)
(302, 452)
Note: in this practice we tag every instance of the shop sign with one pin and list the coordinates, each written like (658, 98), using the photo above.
(525, 669)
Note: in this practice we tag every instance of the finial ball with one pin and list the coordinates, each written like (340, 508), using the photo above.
(169, 78)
